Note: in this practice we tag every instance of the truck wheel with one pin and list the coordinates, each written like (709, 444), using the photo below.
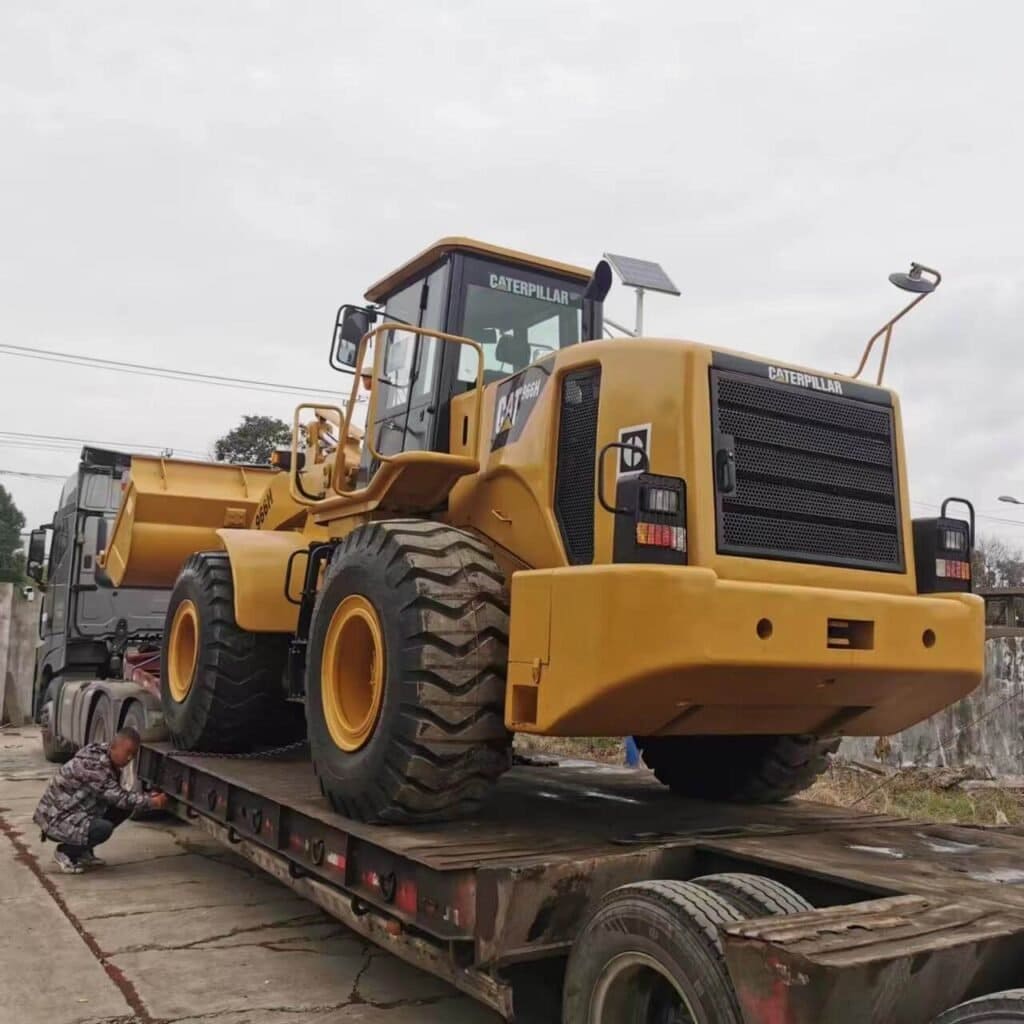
(100, 727)
(221, 687)
(740, 769)
(755, 895)
(135, 718)
(55, 750)
(1001, 1008)
(406, 674)
(650, 952)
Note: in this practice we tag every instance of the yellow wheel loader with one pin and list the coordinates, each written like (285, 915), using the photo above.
(536, 529)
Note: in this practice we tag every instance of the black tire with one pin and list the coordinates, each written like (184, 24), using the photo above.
(1001, 1008)
(755, 895)
(235, 702)
(55, 751)
(739, 769)
(667, 935)
(101, 727)
(438, 743)
(134, 718)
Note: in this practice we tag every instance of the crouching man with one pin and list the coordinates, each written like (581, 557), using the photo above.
(85, 801)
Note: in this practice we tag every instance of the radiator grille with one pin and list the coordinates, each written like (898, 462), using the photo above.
(577, 454)
(815, 476)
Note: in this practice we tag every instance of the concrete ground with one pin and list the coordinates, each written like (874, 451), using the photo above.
(178, 930)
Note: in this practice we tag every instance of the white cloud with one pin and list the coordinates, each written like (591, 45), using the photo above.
(200, 185)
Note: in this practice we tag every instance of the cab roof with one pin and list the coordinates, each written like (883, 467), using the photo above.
(408, 271)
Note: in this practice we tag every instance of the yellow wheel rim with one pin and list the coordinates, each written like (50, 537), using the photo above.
(183, 650)
(352, 673)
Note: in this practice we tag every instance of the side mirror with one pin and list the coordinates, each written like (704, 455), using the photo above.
(36, 554)
(351, 323)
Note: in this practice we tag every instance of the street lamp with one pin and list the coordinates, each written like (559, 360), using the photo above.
(912, 282)
(1010, 499)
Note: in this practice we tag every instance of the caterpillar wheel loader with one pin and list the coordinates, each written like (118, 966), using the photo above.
(542, 530)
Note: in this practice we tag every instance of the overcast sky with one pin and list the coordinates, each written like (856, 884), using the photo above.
(199, 185)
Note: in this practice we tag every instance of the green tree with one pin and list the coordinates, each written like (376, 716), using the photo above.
(12, 522)
(252, 440)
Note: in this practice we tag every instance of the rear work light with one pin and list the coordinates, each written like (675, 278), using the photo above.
(942, 551)
(650, 513)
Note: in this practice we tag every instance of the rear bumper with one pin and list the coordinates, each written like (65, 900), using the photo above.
(629, 649)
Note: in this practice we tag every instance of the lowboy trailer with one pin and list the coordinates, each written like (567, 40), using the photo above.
(666, 911)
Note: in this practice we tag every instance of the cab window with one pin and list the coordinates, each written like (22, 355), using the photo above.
(518, 316)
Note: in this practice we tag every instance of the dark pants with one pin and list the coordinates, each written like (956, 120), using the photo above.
(100, 830)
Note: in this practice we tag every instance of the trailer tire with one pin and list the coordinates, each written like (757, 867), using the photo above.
(406, 674)
(755, 895)
(649, 950)
(221, 686)
(738, 769)
(999, 1008)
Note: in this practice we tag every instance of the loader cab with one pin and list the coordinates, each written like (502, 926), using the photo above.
(519, 308)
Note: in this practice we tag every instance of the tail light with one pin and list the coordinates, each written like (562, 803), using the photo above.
(656, 530)
(942, 551)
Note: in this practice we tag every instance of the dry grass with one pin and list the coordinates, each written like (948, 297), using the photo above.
(918, 794)
(606, 749)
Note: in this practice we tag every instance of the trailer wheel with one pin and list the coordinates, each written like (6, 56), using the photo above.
(406, 674)
(755, 895)
(740, 769)
(221, 687)
(55, 750)
(1001, 1008)
(650, 953)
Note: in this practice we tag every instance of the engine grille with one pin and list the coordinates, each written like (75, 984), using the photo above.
(815, 475)
(577, 454)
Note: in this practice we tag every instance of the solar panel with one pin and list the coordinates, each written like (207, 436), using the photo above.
(642, 274)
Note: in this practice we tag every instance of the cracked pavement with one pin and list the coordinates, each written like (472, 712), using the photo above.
(177, 930)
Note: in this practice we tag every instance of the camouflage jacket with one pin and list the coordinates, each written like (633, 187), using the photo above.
(80, 792)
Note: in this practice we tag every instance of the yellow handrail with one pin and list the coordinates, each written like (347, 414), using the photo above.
(378, 355)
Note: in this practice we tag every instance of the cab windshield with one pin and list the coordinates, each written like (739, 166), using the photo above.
(518, 316)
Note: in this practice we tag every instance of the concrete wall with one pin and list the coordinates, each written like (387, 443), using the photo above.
(985, 728)
(18, 637)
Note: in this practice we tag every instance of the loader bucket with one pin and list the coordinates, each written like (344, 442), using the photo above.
(173, 508)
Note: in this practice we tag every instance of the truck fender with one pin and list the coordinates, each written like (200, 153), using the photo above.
(72, 710)
(259, 564)
(124, 695)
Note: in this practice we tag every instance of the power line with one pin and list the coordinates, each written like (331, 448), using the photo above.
(161, 372)
(34, 476)
(988, 516)
(59, 442)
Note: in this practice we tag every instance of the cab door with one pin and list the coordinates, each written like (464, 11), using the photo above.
(407, 413)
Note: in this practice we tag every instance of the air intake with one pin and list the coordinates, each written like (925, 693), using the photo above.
(805, 475)
(577, 455)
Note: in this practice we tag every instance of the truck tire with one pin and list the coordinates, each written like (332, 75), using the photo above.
(650, 951)
(739, 769)
(755, 895)
(100, 726)
(135, 718)
(221, 687)
(55, 750)
(405, 674)
(1000, 1008)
